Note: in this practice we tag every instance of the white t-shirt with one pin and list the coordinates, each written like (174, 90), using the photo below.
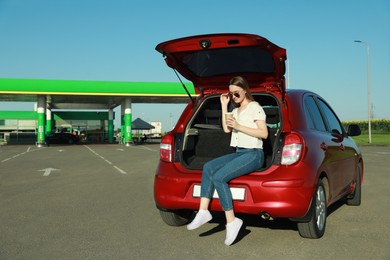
(247, 117)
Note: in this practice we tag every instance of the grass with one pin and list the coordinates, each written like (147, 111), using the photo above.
(376, 139)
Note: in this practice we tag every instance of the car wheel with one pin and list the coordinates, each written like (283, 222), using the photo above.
(315, 228)
(176, 218)
(356, 197)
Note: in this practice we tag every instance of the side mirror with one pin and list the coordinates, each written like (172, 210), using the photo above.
(354, 130)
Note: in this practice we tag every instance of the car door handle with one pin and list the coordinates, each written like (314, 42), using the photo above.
(323, 146)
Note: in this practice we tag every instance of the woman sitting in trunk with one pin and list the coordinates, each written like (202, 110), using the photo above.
(247, 128)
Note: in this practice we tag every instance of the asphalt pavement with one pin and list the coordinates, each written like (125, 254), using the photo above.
(96, 202)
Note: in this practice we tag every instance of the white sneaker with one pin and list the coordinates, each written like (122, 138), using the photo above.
(202, 217)
(232, 230)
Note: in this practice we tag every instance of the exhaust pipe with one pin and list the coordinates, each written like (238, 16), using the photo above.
(266, 216)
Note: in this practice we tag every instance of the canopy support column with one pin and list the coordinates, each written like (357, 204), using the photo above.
(110, 125)
(127, 121)
(41, 121)
(48, 121)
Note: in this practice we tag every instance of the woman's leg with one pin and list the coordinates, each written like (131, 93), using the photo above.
(229, 214)
(204, 203)
(209, 169)
(207, 189)
(246, 162)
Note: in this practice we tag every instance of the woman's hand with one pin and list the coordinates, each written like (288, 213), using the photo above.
(225, 98)
(232, 123)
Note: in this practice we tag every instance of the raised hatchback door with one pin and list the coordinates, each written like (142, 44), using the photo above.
(210, 61)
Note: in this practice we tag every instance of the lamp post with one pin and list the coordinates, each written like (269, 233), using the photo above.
(368, 89)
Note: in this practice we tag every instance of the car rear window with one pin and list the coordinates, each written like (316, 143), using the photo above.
(207, 63)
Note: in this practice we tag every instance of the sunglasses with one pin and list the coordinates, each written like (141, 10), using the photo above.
(235, 94)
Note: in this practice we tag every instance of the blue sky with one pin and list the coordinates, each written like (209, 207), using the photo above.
(114, 40)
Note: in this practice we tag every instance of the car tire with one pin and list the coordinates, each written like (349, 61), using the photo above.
(356, 197)
(315, 228)
(176, 218)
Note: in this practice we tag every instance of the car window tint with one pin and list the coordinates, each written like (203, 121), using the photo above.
(232, 60)
(313, 115)
(309, 117)
(331, 118)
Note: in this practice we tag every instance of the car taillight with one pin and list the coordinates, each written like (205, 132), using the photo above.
(292, 149)
(166, 148)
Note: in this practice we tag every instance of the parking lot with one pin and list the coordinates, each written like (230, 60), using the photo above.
(96, 202)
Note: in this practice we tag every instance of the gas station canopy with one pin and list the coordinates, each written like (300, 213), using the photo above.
(82, 94)
(86, 95)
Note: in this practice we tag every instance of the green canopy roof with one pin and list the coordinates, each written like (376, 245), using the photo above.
(83, 91)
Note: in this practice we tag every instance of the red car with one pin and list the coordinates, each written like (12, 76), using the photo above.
(311, 160)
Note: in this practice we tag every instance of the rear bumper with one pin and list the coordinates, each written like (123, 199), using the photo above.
(280, 197)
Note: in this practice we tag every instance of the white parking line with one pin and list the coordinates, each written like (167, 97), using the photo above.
(108, 162)
(104, 159)
(383, 152)
(147, 148)
(19, 154)
(120, 170)
(7, 159)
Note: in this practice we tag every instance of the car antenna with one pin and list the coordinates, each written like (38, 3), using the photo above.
(184, 86)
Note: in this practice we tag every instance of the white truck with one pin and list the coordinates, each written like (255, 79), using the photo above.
(157, 131)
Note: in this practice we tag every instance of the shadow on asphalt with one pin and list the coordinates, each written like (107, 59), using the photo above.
(257, 221)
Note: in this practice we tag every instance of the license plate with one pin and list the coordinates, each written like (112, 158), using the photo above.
(237, 193)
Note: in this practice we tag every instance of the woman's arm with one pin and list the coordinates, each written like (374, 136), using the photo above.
(224, 104)
(260, 132)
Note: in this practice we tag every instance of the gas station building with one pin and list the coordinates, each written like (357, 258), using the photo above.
(79, 106)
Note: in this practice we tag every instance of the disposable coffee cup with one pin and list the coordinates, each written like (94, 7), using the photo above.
(228, 115)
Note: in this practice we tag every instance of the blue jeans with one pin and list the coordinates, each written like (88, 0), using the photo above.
(219, 171)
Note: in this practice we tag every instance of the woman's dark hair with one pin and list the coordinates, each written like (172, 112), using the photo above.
(242, 83)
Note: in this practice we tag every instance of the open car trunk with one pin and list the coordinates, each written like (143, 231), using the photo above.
(204, 138)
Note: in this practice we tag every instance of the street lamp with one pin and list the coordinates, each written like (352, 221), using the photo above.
(368, 89)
